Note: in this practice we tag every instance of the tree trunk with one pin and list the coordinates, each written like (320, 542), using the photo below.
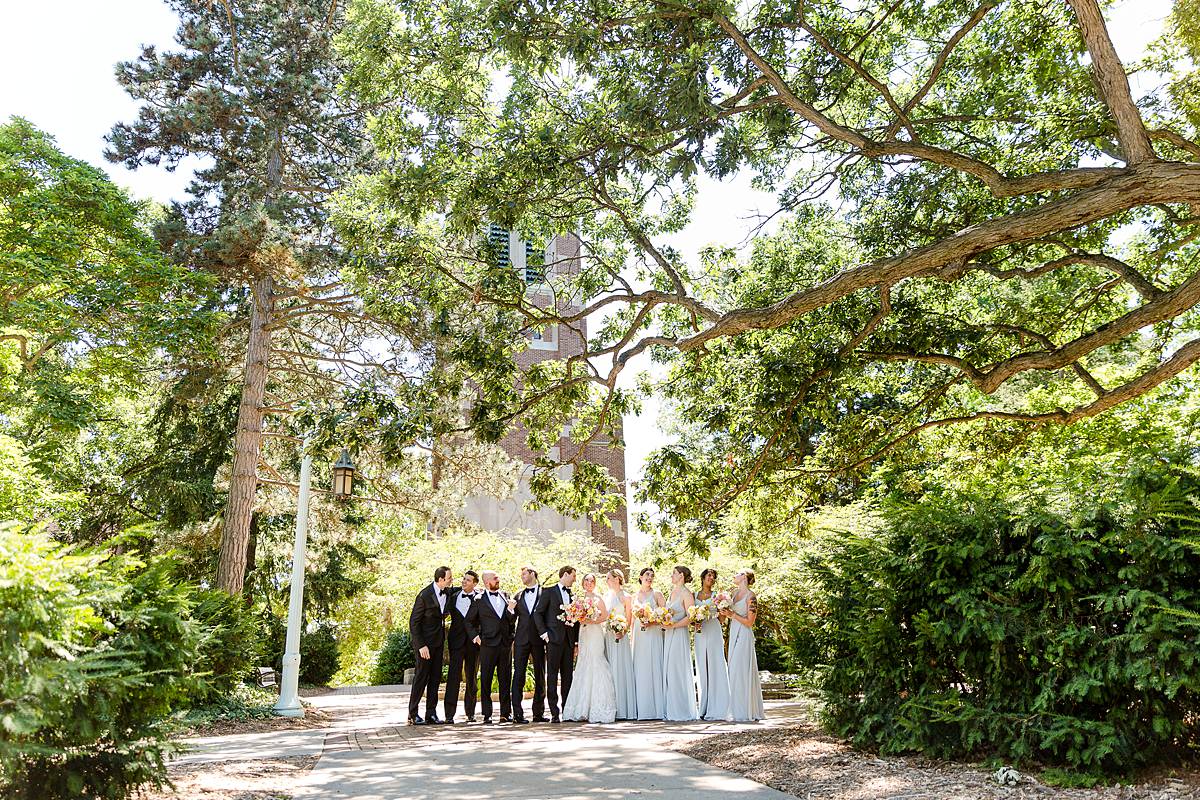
(243, 485)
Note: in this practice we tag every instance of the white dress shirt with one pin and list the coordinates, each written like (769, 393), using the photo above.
(531, 598)
(463, 602)
(441, 597)
(497, 603)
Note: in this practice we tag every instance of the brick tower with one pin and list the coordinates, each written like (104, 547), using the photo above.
(561, 256)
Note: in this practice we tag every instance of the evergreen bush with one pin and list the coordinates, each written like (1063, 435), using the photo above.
(395, 656)
(319, 658)
(1028, 626)
(97, 650)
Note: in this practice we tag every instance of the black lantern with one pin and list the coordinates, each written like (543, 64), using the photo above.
(343, 477)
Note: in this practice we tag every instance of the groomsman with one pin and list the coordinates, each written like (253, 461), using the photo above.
(426, 626)
(559, 637)
(490, 625)
(463, 651)
(526, 644)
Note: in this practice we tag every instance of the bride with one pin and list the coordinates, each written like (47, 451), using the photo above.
(593, 696)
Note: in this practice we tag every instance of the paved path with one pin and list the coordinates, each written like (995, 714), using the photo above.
(369, 754)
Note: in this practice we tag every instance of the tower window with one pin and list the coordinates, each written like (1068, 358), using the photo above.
(535, 265)
(544, 338)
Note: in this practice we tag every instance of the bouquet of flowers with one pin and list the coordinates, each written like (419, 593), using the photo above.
(646, 614)
(618, 624)
(702, 611)
(722, 601)
(664, 616)
(580, 609)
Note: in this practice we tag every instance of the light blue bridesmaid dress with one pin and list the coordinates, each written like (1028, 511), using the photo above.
(745, 690)
(679, 682)
(711, 671)
(648, 665)
(620, 660)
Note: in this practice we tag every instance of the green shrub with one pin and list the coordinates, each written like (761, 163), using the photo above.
(318, 655)
(773, 655)
(230, 643)
(243, 702)
(97, 649)
(1030, 626)
(395, 656)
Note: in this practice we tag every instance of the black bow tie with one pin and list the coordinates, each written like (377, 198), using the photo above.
(494, 594)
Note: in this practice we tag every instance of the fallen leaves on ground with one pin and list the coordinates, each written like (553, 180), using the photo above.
(807, 763)
(234, 780)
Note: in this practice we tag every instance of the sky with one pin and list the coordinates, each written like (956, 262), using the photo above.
(58, 56)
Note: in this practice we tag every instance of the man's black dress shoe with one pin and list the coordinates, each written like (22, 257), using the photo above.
(520, 721)
(470, 719)
(555, 720)
(487, 720)
(415, 721)
(449, 721)
(432, 720)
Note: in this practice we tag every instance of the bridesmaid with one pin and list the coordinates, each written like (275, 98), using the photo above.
(648, 653)
(745, 691)
(617, 650)
(711, 672)
(679, 682)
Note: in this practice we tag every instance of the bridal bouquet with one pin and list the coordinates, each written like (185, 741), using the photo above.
(580, 609)
(618, 624)
(722, 601)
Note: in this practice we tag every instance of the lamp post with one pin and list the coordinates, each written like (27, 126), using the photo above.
(289, 704)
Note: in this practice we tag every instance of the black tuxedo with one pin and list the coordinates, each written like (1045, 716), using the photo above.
(495, 632)
(426, 626)
(560, 644)
(528, 644)
(464, 654)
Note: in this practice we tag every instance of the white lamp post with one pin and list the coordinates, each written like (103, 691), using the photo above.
(289, 704)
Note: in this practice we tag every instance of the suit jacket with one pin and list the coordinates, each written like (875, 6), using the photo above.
(493, 630)
(545, 617)
(457, 637)
(527, 632)
(426, 623)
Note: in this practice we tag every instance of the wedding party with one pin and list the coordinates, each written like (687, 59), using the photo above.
(597, 653)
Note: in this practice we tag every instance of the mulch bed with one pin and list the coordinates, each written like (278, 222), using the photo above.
(807, 763)
(313, 718)
(233, 780)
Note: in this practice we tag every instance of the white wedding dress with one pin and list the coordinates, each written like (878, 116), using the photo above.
(593, 696)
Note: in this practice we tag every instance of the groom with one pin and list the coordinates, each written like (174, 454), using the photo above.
(559, 637)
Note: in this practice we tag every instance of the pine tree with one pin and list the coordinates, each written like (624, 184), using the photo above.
(251, 92)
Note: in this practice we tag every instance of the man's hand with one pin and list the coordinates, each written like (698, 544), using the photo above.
(545, 637)
(476, 640)
(424, 651)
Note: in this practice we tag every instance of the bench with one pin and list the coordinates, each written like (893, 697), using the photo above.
(266, 678)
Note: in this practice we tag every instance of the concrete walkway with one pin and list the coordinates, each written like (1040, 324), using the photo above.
(369, 754)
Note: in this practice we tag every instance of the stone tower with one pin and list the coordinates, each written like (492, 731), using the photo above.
(561, 256)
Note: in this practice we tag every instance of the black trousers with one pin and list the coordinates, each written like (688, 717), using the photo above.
(560, 660)
(521, 656)
(428, 676)
(498, 661)
(462, 657)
